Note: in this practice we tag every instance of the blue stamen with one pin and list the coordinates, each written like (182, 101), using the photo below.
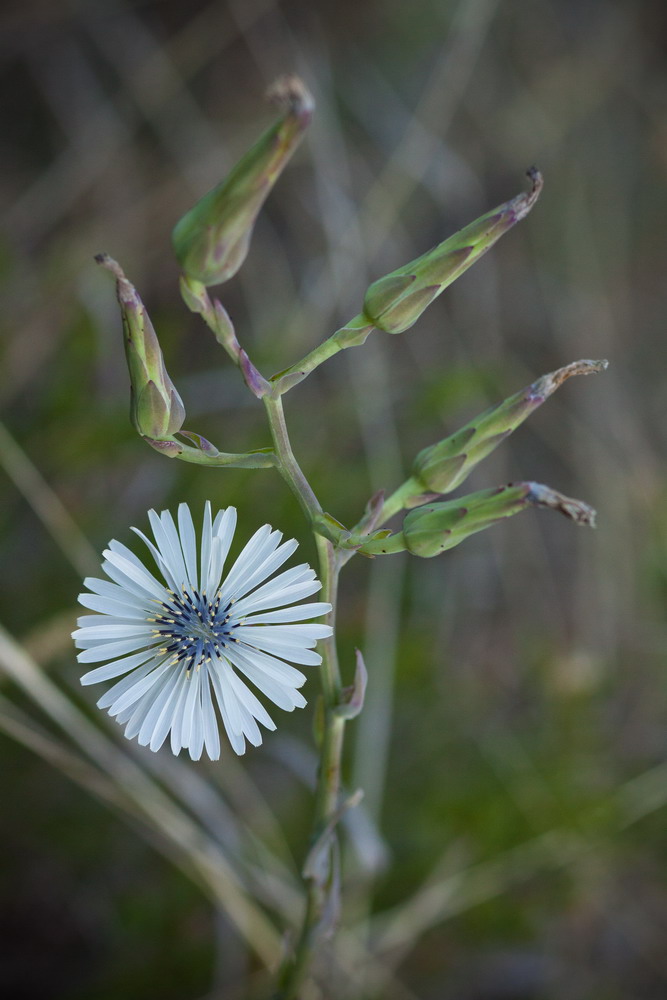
(197, 628)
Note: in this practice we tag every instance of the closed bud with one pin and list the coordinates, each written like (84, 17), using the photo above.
(394, 303)
(430, 530)
(211, 241)
(157, 410)
(443, 466)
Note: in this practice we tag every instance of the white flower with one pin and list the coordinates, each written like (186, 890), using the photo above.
(184, 644)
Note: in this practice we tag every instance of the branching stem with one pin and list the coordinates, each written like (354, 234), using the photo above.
(287, 464)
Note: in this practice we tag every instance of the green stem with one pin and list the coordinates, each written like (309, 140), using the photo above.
(287, 464)
(329, 573)
(398, 500)
(196, 297)
(353, 335)
(264, 459)
(295, 970)
(327, 794)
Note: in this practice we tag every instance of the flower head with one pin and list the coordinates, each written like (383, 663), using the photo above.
(185, 642)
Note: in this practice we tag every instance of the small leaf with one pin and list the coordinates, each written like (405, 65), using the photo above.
(353, 696)
(201, 442)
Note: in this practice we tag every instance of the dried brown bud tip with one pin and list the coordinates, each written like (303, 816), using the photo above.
(547, 384)
(575, 510)
(111, 265)
(523, 203)
(289, 93)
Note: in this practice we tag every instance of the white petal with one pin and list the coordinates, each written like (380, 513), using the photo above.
(289, 651)
(191, 706)
(104, 631)
(286, 588)
(300, 635)
(166, 717)
(155, 711)
(128, 554)
(196, 741)
(117, 689)
(205, 556)
(124, 558)
(235, 738)
(286, 698)
(220, 678)
(295, 614)
(110, 606)
(116, 667)
(224, 527)
(90, 643)
(167, 541)
(211, 734)
(177, 718)
(267, 566)
(186, 530)
(111, 650)
(137, 690)
(215, 565)
(277, 691)
(159, 561)
(282, 672)
(90, 621)
(107, 589)
(128, 586)
(258, 548)
(244, 718)
(250, 701)
(139, 712)
(130, 576)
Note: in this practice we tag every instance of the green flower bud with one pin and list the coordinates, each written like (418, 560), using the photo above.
(430, 530)
(211, 241)
(157, 410)
(443, 466)
(394, 303)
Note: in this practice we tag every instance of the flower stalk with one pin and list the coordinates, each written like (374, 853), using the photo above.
(321, 881)
(321, 878)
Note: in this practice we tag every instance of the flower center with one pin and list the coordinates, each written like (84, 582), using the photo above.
(193, 628)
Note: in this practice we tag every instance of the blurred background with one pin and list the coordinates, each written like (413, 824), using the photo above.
(513, 840)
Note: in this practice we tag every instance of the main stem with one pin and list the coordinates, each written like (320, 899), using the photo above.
(327, 794)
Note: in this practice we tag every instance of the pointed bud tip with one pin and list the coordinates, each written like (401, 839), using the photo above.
(289, 93)
(575, 510)
(110, 264)
(522, 204)
(127, 293)
(536, 178)
(547, 384)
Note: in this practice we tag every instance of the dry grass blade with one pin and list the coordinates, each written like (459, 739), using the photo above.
(156, 807)
(47, 506)
(24, 730)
